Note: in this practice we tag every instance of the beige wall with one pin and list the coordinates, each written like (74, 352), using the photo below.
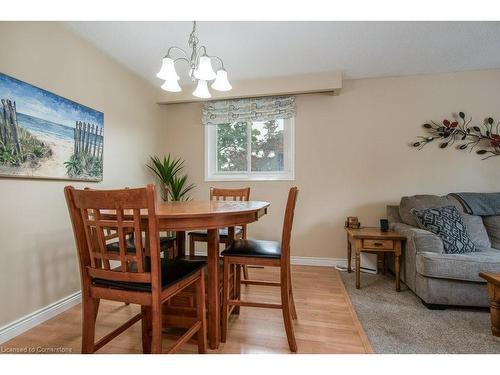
(38, 263)
(352, 155)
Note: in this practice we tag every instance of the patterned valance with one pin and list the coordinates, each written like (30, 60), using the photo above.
(254, 109)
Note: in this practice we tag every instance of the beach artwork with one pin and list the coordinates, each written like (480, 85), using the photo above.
(43, 135)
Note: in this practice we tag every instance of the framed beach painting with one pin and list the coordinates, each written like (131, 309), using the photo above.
(43, 135)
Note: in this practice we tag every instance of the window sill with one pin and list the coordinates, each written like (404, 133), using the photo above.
(286, 177)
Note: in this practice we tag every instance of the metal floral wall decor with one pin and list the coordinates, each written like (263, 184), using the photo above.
(484, 137)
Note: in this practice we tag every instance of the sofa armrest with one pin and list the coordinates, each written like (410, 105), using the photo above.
(420, 240)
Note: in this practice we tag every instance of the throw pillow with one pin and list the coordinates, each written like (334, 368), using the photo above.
(492, 224)
(421, 202)
(476, 230)
(447, 223)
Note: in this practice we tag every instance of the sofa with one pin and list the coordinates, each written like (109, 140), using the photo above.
(441, 279)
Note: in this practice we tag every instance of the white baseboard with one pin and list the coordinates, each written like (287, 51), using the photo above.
(305, 261)
(319, 262)
(29, 321)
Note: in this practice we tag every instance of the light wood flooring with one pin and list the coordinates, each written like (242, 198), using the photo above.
(326, 322)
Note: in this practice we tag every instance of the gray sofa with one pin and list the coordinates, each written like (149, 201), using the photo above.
(441, 279)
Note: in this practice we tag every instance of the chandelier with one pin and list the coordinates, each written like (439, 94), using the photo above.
(200, 69)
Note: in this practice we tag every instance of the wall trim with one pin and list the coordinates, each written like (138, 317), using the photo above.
(29, 321)
(318, 262)
(305, 261)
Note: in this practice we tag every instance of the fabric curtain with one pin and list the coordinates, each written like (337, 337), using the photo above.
(253, 109)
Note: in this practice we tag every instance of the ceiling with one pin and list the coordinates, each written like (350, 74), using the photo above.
(269, 49)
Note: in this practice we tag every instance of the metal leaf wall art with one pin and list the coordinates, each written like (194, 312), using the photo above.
(483, 138)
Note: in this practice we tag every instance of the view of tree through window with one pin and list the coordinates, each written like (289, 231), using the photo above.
(264, 140)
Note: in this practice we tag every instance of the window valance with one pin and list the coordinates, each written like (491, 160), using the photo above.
(253, 109)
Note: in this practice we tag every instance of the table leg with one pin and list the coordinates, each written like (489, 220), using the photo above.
(397, 265)
(230, 235)
(357, 250)
(349, 255)
(213, 289)
(180, 241)
(494, 296)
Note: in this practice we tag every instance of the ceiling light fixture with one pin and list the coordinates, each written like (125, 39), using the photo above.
(200, 69)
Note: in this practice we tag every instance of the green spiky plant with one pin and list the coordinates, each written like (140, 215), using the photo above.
(172, 187)
(179, 189)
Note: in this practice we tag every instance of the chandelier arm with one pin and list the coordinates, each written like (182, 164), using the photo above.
(220, 60)
(181, 58)
(176, 48)
(204, 51)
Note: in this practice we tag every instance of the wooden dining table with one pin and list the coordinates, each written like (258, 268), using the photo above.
(209, 215)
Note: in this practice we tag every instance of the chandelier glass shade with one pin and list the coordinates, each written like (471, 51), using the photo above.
(201, 70)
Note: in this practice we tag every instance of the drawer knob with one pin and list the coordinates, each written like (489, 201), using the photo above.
(378, 243)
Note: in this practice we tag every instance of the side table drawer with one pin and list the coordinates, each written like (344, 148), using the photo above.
(378, 244)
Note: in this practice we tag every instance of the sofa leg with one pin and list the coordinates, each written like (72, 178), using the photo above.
(434, 306)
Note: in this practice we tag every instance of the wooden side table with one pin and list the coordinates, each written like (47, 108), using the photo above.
(373, 240)
(493, 280)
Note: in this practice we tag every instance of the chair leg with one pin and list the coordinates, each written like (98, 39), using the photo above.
(191, 246)
(225, 298)
(292, 301)
(245, 273)
(237, 287)
(287, 318)
(156, 329)
(200, 303)
(146, 329)
(90, 307)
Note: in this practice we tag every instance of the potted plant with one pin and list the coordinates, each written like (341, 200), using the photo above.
(173, 187)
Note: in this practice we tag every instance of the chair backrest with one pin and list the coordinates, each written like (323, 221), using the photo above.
(288, 223)
(94, 213)
(233, 194)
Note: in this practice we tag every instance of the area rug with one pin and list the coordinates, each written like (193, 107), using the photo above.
(399, 323)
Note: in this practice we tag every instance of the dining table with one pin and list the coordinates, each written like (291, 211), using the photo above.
(182, 216)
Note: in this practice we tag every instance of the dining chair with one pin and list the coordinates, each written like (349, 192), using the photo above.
(218, 194)
(141, 277)
(264, 253)
(167, 242)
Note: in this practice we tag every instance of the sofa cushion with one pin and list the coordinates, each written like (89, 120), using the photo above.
(447, 223)
(477, 231)
(421, 202)
(464, 267)
(492, 225)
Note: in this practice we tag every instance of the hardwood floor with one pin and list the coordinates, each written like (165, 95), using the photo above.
(326, 322)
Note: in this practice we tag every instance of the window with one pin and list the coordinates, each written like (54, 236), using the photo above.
(250, 150)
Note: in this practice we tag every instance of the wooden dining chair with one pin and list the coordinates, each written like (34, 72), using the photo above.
(218, 194)
(167, 242)
(264, 253)
(141, 277)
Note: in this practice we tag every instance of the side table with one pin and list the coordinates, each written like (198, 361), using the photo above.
(373, 240)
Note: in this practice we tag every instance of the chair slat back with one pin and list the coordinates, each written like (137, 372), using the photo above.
(229, 194)
(288, 224)
(96, 213)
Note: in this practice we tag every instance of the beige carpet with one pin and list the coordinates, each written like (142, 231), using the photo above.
(399, 323)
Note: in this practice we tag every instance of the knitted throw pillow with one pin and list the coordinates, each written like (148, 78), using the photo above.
(447, 223)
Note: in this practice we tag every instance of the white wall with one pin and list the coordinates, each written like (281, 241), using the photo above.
(353, 155)
(38, 263)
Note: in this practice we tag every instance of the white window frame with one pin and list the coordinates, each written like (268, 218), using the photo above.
(288, 174)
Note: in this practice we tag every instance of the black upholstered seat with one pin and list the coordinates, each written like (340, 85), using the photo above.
(222, 232)
(171, 272)
(254, 248)
(165, 242)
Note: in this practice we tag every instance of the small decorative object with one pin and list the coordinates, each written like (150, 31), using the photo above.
(173, 187)
(352, 222)
(485, 136)
(384, 225)
(200, 69)
(43, 135)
